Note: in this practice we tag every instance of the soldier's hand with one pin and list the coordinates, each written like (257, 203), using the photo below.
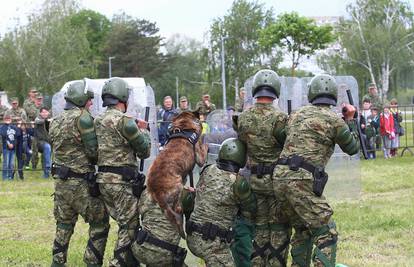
(142, 124)
(348, 111)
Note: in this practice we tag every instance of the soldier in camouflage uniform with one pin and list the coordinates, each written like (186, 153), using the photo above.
(37, 105)
(157, 240)
(121, 139)
(16, 113)
(220, 194)
(29, 105)
(75, 150)
(240, 101)
(183, 104)
(204, 106)
(262, 128)
(299, 177)
(373, 97)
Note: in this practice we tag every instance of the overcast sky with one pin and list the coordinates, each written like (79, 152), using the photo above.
(188, 17)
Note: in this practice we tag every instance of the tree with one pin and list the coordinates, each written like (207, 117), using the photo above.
(46, 52)
(243, 54)
(299, 36)
(135, 44)
(379, 38)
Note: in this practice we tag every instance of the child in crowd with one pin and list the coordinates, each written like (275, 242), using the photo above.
(371, 131)
(395, 143)
(387, 130)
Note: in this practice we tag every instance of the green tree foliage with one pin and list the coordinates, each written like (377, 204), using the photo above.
(243, 54)
(378, 38)
(46, 52)
(97, 27)
(135, 44)
(186, 66)
(298, 35)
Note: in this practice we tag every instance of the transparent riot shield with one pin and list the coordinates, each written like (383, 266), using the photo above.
(140, 97)
(344, 171)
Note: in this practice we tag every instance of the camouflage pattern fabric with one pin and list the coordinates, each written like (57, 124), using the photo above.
(375, 101)
(215, 203)
(71, 199)
(256, 127)
(72, 196)
(311, 133)
(239, 104)
(122, 206)
(30, 109)
(67, 144)
(202, 108)
(113, 148)
(155, 223)
(115, 151)
(16, 114)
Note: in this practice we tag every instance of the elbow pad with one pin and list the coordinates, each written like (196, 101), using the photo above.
(138, 140)
(347, 140)
(88, 135)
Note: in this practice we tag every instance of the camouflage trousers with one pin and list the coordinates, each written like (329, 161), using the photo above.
(71, 199)
(122, 205)
(315, 235)
(271, 242)
(153, 256)
(214, 253)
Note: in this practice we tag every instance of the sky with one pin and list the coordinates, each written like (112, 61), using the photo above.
(188, 17)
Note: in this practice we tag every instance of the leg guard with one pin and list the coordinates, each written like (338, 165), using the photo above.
(242, 246)
(279, 244)
(95, 250)
(301, 248)
(64, 232)
(123, 252)
(325, 240)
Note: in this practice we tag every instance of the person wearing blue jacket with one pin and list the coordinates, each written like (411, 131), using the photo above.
(9, 134)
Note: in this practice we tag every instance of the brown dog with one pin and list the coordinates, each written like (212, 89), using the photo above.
(169, 169)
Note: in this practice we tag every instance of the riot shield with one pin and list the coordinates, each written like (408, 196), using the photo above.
(140, 96)
(344, 171)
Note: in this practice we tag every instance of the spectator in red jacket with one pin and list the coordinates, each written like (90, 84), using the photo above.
(387, 130)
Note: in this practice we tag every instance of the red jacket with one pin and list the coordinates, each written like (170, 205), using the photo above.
(386, 124)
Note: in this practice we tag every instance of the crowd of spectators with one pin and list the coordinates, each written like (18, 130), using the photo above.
(24, 132)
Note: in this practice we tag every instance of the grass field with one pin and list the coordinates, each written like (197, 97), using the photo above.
(375, 230)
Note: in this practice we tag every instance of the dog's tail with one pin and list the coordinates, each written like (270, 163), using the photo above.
(176, 219)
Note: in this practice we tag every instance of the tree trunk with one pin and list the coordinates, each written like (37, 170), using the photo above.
(385, 78)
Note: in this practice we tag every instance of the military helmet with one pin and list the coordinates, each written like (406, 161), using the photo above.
(266, 83)
(116, 88)
(77, 93)
(323, 90)
(233, 150)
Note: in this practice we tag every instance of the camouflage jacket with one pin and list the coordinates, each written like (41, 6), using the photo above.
(257, 128)
(215, 201)
(68, 149)
(238, 105)
(311, 133)
(17, 114)
(3, 110)
(203, 109)
(113, 148)
(154, 221)
(31, 109)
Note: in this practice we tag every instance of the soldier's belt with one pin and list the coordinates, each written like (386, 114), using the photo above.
(210, 231)
(262, 169)
(295, 162)
(64, 172)
(142, 236)
(127, 173)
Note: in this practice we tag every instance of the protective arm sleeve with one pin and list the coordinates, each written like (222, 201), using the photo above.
(88, 136)
(245, 196)
(139, 140)
(347, 139)
(279, 131)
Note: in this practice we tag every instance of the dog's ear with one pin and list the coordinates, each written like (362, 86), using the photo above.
(196, 113)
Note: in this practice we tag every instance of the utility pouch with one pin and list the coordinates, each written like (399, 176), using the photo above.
(62, 172)
(141, 236)
(295, 162)
(138, 184)
(93, 187)
(320, 178)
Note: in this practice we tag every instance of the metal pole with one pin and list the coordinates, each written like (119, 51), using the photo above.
(223, 74)
(236, 83)
(110, 66)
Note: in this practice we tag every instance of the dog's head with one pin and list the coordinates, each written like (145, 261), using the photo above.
(187, 121)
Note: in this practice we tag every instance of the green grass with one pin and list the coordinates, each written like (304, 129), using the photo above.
(375, 230)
